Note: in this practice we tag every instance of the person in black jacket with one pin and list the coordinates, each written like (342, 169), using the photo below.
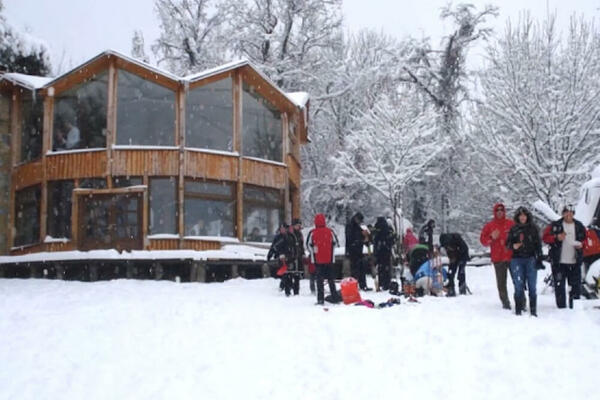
(524, 241)
(356, 236)
(383, 241)
(458, 255)
(565, 237)
(426, 235)
(283, 249)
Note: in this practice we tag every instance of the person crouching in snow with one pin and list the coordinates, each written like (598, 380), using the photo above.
(429, 279)
(494, 235)
(281, 249)
(524, 240)
(320, 243)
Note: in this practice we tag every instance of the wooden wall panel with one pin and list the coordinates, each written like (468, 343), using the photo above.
(164, 244)
(210, 166)
(36, 248)
(145, 162)
(61, 246)
(200, 245)
(264, 174)
(27, 175)
(76, 165)
(293, 170)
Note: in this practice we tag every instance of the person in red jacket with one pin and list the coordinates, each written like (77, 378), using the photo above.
(494, 235)
(320, 243)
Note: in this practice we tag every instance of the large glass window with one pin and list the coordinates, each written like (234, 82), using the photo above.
(92, 183)
(27, 216)
(59, 208)
(126, 181)
(80, 115)
(145, 112)
(262, 128)
(32, 115)
(263, 212)
(209, 116)
(163, 205)
(209, 209)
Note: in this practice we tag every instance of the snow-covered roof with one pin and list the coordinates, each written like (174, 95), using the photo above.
(299, 98)
(217, 70)
(31, 82)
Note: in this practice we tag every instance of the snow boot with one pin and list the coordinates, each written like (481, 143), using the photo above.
(518, 306)
(506, 305)
(450, 291)
(533, 307)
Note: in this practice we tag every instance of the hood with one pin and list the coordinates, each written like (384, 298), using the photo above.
(320, 221)
(526, 212)
(381, 223)
(444, 238)
(358, 216)
(496, 206)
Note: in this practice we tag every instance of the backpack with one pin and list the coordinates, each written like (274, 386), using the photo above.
(591, 244)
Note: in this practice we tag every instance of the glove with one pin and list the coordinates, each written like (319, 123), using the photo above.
(539, 264)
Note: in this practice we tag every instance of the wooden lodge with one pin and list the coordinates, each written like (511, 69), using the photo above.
(117, 154)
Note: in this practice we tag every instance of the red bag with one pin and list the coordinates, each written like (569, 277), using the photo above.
(282, 270)
(591, 244)
(350, 292)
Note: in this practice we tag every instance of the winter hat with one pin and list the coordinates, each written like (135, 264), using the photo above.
(568, 207)
(497, 206)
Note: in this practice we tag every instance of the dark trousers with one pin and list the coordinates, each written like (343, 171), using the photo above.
(501, 269)
(523, 271)
(291, 281)
(325, 271)
(453, 267)
(572, 274)
(358, 270)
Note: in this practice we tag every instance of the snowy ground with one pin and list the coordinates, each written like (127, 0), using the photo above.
(244, 339)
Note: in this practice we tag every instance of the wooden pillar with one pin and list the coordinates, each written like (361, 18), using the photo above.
(60, 271)
(235, 271)
(111, 116)
(237, 147)
(200, 271)
(93, 272)
(15, 147)
(181, 95)
(157, 270)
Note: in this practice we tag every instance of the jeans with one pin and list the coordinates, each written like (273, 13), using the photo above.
(521, 270)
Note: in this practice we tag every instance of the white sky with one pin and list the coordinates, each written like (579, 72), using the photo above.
(76, 30)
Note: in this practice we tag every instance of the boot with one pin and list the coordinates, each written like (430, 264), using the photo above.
(450, 290)
(533, 307)
(518, 306)
(506, 305)
(462, 289)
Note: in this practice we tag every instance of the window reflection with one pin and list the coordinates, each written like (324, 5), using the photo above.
(59, 208)
(80, 115)
(163, 205)
(263, 212)
(209, 116)
(27, 216)
(262, 128)
(145, 112)
(209, 209)
(32, 115)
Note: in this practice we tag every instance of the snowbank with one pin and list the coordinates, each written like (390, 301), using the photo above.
(130, 339)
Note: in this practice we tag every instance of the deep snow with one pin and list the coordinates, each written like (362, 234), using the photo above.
(244, 339)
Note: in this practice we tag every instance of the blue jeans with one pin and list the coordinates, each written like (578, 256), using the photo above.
(522, 269)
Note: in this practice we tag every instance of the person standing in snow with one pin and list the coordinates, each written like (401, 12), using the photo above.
(282, 250)
(320, 243)
(356, 237)
(426, 235)
(458, 255)
(524, 241)
(383, 241)
(494, 235)
(297, 224)
(565, 237)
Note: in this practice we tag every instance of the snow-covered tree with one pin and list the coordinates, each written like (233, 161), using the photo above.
(442, 76)
(20, 52)
(538, 123)
(284, 38)
(395, 144)
(190, 38)
(138, 47)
